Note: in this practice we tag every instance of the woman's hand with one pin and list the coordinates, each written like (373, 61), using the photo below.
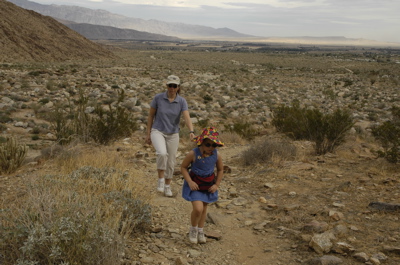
(148, 139)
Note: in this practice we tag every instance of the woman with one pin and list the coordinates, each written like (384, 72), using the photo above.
(163, 130)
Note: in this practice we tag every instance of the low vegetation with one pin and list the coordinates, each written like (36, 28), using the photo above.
(269, 152)
(327, 131)
(79, 215)
(388, 134)
(12, 155)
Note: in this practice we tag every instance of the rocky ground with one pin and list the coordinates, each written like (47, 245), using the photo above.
(310, 210)
(313, 211)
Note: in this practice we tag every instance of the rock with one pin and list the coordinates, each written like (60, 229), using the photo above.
(239, 201)
(390, 249)
(223, 203)
(379, 257)
(181, 261)
(325, 260)
(382, 206)
(340, 230)
(213, 218)
(213, 234)
(316, 227)
(322, 243)
(335, 215)
(262, 200)
(194, 253)
(361, 256)
(343, 248)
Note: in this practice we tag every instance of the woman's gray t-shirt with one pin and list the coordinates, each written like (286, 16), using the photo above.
(168, 114)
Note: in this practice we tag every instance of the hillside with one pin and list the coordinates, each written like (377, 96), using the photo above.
(29, 36)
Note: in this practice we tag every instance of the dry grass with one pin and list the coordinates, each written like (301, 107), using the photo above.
(232, 138)
(92, 195)
(269, 151)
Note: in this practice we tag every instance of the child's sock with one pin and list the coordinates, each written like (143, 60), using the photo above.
(201, 230)
(193, 228)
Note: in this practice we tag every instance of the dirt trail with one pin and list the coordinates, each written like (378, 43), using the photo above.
(234, 223)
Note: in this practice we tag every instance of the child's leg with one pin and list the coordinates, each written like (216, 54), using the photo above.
(196, 214)
(201, 239)
(203, 216)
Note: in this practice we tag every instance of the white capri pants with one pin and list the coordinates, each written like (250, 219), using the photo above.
(166, 146)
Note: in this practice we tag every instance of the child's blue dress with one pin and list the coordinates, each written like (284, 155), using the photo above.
(202, 166)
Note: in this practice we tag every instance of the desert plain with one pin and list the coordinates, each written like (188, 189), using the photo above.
(306, 209)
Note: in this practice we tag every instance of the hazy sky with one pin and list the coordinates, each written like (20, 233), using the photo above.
(369, 19)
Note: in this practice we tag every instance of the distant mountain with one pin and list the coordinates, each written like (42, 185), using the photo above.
(29, 36)
(328, 40)
(96, 32)
(105, 18)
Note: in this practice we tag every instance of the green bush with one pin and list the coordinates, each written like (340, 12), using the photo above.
(388, 134)
(112, 124)
(102, 126)
(12, 154)
(328, 131)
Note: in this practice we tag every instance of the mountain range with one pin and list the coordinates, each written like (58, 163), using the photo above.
(73, 15)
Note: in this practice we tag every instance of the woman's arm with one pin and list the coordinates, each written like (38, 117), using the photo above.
(220, 174)
(150, 119)
(188, 122)
(185, 172)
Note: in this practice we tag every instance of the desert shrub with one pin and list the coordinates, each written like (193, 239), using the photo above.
(62, 126)
(268, 151)
(388, 134)
(77, 218)
(243, 128)
(12, 154)
(232, 138)
(103, 126)
(3, 127)
(328, 131)
(4, 118)
(203, 123)
(207, 98)
(112, 124)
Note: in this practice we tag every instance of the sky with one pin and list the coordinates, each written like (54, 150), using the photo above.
(377, 20)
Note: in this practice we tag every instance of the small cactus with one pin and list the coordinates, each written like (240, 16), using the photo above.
(12, 154)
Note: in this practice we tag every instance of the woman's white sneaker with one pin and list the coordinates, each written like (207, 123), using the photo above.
(160, 185)
(167, 191)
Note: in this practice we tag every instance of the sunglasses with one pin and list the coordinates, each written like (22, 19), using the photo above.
(213, 145)
(173, 85)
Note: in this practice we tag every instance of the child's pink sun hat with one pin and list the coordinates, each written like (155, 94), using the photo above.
(210, 133)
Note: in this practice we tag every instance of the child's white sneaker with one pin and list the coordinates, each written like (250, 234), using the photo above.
(201, 238)
(193, 236)
(160, 185)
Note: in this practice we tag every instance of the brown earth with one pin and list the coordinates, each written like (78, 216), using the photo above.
(264, 211)
(29, 36)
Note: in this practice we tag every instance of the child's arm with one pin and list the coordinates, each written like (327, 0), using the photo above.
(184, 169)
(220, 174)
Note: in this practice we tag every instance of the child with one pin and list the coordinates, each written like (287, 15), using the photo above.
(201, 184)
